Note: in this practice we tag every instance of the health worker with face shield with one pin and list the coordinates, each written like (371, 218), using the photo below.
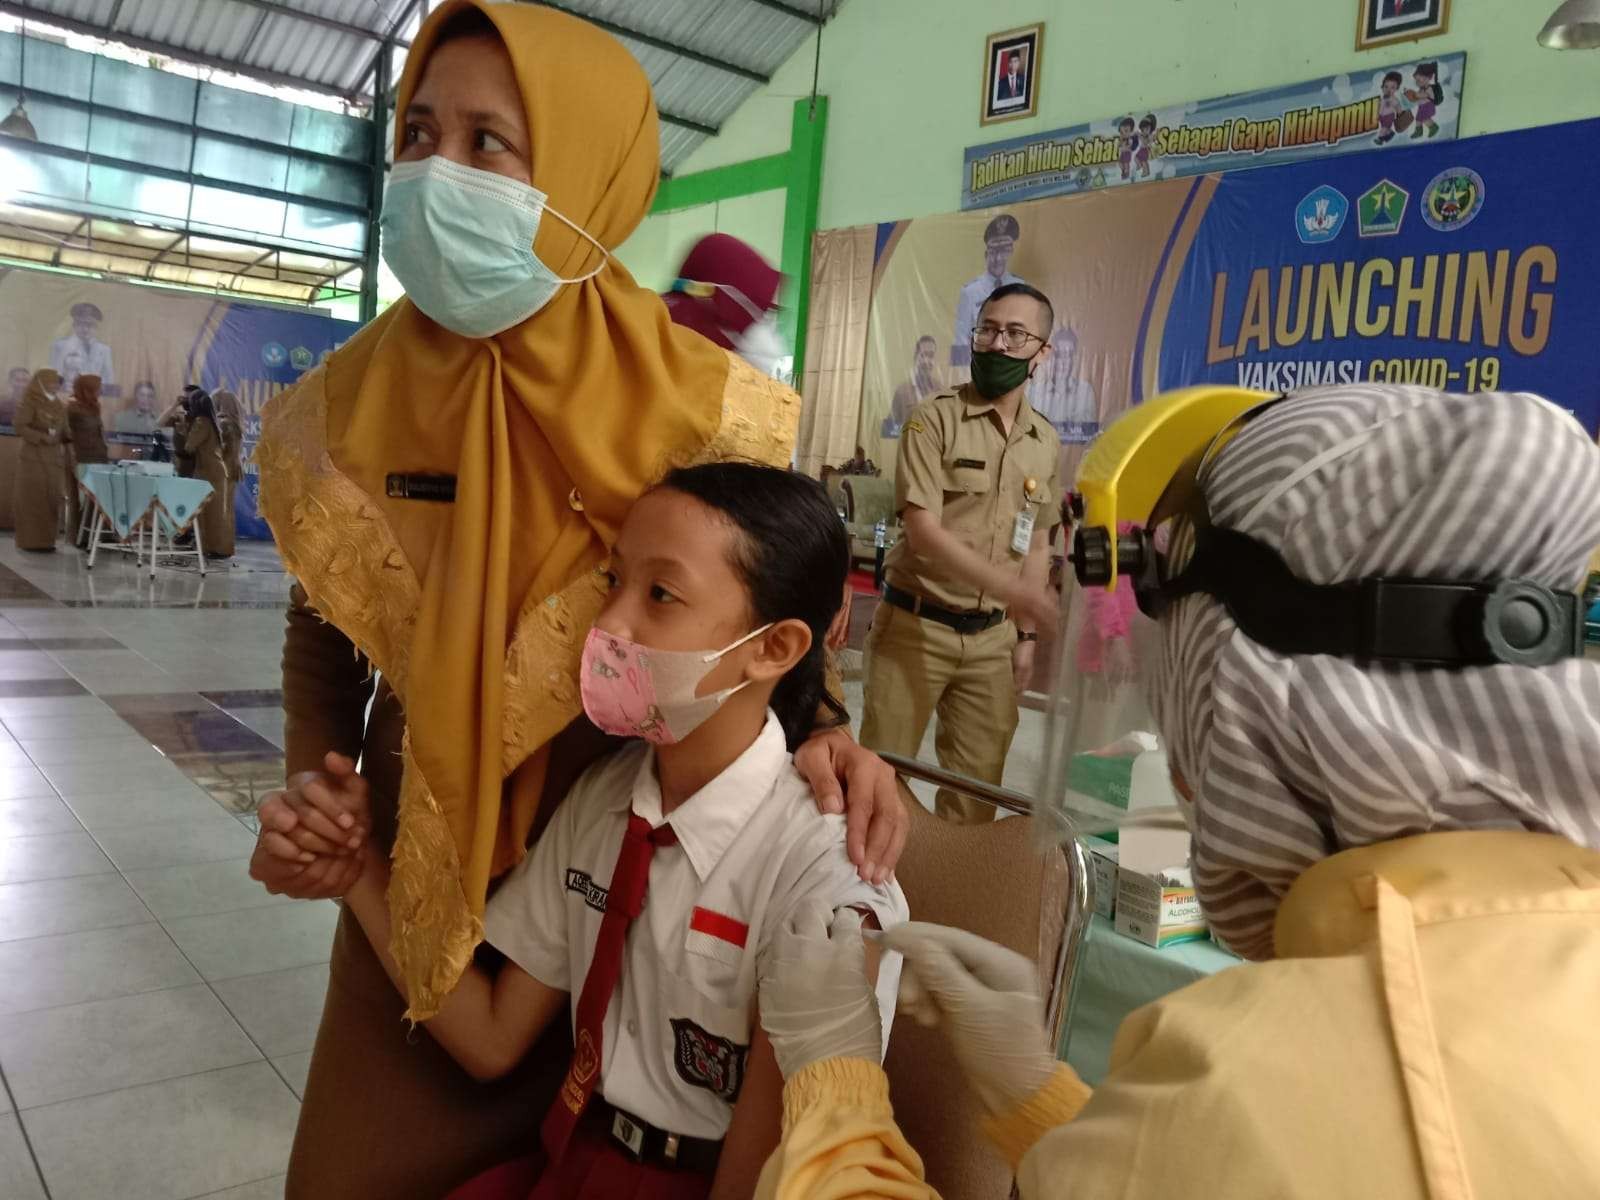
(446, 491)
(1371, 689)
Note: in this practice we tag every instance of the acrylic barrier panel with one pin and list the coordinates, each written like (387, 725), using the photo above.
(1103, 756)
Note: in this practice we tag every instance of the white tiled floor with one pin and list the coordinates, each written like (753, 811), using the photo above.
(157, 1007)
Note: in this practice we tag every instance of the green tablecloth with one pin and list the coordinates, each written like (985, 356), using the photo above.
(1119, 975)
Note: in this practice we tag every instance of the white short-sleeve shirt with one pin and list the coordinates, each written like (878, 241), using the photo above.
(751, 846)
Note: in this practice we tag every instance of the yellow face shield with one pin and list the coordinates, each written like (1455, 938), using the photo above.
(1133, 466)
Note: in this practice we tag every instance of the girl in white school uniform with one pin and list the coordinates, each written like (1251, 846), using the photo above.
(724, 580)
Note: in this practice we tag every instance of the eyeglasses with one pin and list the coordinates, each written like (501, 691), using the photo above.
(1012, 337)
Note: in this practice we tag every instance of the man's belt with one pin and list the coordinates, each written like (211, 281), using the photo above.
(643, 1142)
(975, 621)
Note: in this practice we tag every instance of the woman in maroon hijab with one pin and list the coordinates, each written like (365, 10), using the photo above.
(727, 292)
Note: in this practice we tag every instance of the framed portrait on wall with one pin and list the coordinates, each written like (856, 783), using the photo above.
(1379, 22)
(1011, 74)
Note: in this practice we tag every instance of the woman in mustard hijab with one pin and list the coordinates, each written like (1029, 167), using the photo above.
(446, 492)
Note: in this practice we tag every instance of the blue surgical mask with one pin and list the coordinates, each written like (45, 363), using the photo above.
(460, 241)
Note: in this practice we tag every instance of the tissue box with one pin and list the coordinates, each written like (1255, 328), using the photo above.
(1103, 856)
(1106, 778)
(1158, 908)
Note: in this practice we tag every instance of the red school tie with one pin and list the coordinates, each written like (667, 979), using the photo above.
(624, 902)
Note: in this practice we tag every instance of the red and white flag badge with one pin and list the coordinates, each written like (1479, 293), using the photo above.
(717, 935)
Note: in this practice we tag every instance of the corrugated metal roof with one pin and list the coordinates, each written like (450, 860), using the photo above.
(704, 57)
(64, 239)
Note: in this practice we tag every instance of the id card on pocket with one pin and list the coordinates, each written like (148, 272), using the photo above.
(1022, 531)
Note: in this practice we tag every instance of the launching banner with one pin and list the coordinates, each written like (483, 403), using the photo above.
(1465, 266)
(1398, 104)
(146, 344)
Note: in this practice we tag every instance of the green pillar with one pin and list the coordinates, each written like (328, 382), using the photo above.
(804, 186)
(722, 183)
(380, 123)
(798, 172)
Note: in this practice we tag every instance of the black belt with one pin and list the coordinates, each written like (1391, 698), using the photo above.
(962, 622)
(643, 1142)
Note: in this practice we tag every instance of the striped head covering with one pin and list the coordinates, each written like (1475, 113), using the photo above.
(1294, 758)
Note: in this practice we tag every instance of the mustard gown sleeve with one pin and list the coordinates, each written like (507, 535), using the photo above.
(840, 1140)
(1018, 1130)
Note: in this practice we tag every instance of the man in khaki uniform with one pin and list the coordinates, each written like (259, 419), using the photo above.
(978, 493)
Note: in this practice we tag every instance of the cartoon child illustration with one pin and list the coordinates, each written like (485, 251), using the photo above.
(1147, 144)
(1427, 97)
(1127, 143)
(1389, 107)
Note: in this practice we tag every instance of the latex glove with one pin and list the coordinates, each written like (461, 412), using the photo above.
(987, 999)
(816, 1000)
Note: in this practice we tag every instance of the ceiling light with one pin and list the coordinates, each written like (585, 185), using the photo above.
(1573, 26)
(17, 124)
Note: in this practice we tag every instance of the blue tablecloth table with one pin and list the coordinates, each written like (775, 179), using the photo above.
(1117, 976)
(138, 505)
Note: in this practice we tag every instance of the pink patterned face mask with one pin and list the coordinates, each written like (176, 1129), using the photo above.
(630, 690)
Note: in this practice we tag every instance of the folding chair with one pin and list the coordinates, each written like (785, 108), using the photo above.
(993, 881)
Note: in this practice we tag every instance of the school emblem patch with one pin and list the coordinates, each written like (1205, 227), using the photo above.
(706, 1060)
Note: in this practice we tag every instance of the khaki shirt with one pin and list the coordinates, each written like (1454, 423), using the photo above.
(957, 462)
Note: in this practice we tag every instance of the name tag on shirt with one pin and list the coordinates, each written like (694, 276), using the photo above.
(439, 488)
(1022, 531)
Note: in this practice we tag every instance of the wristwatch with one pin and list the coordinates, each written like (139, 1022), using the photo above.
(1023, 636)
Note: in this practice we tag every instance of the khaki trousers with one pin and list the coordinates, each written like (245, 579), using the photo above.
(915, 668)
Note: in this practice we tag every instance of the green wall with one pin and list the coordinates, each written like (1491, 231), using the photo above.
(656, 248)
(902, 77)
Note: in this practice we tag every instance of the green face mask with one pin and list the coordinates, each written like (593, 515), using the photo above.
(995, 373)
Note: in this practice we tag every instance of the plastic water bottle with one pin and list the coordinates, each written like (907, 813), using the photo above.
(880, 534)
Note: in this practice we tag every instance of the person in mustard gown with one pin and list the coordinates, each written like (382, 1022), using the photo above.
(41, 423)
(445, 491)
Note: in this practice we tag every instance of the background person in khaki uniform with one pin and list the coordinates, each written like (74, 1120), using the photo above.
(88, 440)
(177, 419)
(203, 444)
(230, 424)
(41, 423)
(977, 492)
